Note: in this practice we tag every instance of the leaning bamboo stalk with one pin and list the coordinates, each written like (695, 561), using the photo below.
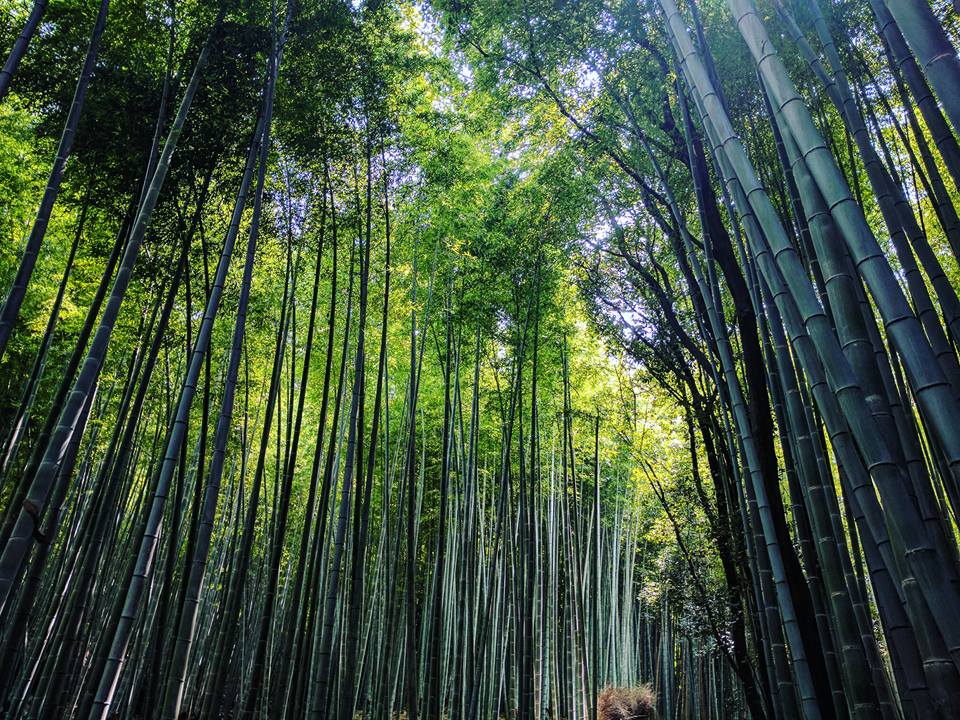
(11, 305)
(21, 538)
(150, 538)
(178, 664)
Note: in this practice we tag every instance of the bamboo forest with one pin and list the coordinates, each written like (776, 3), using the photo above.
(480, 359)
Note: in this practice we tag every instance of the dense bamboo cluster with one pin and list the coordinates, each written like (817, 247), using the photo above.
(263, 477)
(816, 352)
(480, 360)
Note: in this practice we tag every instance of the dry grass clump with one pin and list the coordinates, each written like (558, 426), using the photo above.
(627, 703)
